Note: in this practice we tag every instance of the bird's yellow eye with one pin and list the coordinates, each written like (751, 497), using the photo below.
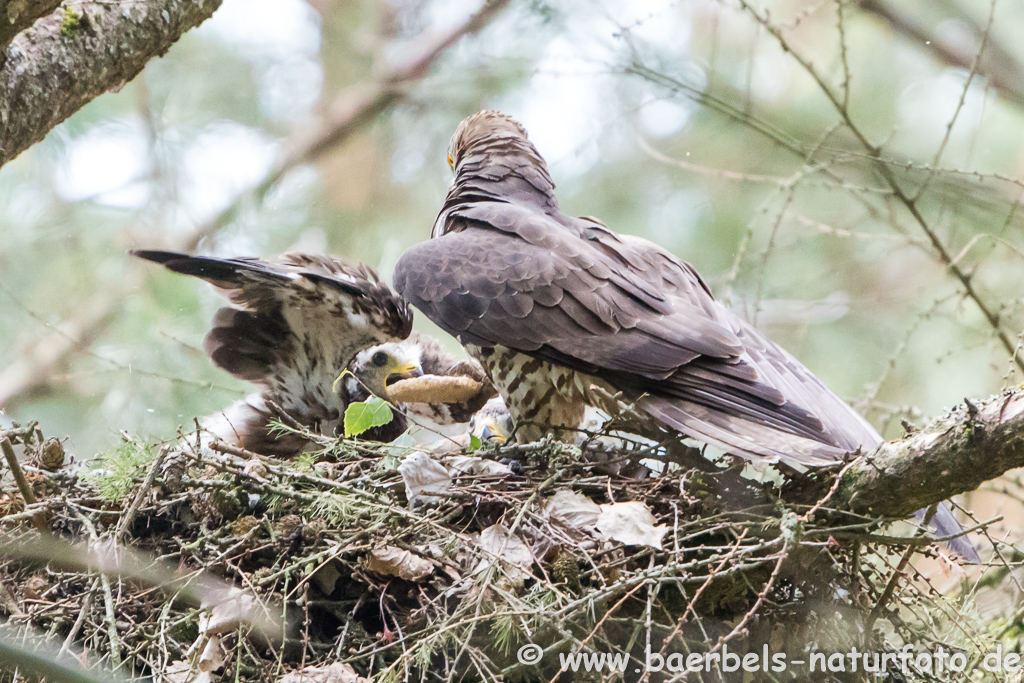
(451, 162)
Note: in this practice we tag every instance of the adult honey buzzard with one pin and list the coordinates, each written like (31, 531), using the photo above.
(563, 313)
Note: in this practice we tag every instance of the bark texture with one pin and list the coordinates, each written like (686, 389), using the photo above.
(957, 453)
(18, 15)
(78, 53)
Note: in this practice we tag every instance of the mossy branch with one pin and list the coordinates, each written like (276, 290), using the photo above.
(70, 57)
(975, 443)
(18, 15)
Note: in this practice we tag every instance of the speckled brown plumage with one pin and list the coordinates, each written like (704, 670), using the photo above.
(296, 323)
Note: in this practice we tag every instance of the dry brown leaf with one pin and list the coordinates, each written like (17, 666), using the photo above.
(424, 477)
(180, 672)
(230, 609)
(468, 464)
(213, 656)
(392, 561)
(572, 510)
(498, 542)
(326, 577)
(339, 672)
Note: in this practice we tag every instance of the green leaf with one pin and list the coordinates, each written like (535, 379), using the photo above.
(363, 415)
(474, 442)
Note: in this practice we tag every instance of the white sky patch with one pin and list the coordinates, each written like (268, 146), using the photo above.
(448, 12)
(662, 118)
(562, 109)
(107, 164)
(572, 102)
(282, 38)
(225, 159)
(406, 162)
(674, 215)
(661, 22)
(770, 78)
(279, 27)
(927, 106)
(290, 89)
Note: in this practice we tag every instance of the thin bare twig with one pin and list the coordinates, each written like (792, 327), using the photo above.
(882, 166)
(1003, 71)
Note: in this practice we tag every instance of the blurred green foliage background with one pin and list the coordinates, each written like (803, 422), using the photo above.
(683, 122)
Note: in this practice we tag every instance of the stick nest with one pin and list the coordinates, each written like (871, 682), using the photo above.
(387, 562)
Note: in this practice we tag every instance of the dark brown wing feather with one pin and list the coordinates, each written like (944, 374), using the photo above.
(572, 292)
(295, 314)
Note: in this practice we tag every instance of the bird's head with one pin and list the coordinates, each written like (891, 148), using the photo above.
(493, 160)
(493, 422)
(489, 133)
(378, 367)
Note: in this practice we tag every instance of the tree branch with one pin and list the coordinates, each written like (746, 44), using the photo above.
(18, 15)
(973, 444)
(998, 64)
(349, 112)
(874, 152)
(71, 57)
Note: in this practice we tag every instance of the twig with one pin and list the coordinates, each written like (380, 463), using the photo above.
(82, 614)
(19, 476)
(38, 518)
(882, 166)
(1004, 78)
(351, 111)
(894, 580)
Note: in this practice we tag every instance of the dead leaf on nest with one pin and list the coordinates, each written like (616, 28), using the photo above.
(630, 523)
(230, 609)
(326, 577)
(211, 659)
(468, 464)
(572, 510)
(392, 561)
(424, 477)
(339, 672)
(180, 672)
(496, 541)
(433, 389)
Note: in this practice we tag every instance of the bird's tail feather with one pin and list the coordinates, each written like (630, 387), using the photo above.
(944, 524)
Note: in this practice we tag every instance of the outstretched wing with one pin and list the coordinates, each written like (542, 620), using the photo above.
(571, 292)
(296, 317)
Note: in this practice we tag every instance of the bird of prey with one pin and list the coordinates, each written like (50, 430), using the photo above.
(296, 323)
(563, 313)
(493, 422)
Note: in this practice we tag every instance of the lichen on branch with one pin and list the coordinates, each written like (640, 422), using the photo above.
(65, 60)
(970, 445)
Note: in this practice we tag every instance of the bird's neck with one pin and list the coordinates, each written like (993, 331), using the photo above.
(517, 175)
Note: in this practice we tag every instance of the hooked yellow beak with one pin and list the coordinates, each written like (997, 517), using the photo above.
(491, 431)
(404, 371)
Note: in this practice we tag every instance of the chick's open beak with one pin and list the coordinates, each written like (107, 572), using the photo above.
(404, 371)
